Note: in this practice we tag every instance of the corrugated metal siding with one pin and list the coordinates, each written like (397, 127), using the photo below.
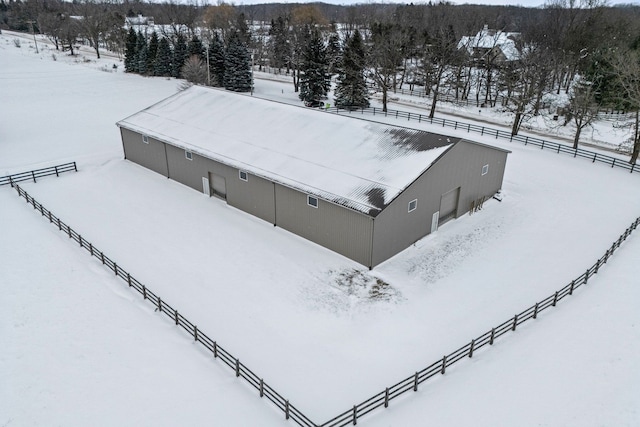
(255, 196)
(151, 155)
(344, 231)
(396, 229)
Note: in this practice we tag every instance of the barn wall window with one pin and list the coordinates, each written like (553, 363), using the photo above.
(412, 205)
(485, 169)
(145, 139)
(244, 176)
(312, 201)
(188, 155)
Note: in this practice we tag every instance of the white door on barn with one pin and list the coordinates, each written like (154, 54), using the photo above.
(434, 221)
(205, 186)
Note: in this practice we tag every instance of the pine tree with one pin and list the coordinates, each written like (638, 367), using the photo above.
(216, 61)
(314, 79)
(152, 53)
(351, 90)
(279, 43)
(142, 53)
(130, 57)
(237, 66)
(180, 56)
(163, 58)
(195, 47)
(334, 52)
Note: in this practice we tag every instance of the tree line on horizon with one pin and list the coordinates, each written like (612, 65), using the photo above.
(584, 49)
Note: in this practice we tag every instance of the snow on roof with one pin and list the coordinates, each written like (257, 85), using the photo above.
(488, 39)
(355, 163)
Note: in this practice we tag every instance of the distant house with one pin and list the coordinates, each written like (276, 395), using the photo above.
(491, 45)
(363, 189)
(142, 24)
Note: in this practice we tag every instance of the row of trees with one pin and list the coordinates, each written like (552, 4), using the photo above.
(216, 64)
(579, 47)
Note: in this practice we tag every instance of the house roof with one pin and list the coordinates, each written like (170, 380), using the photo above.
(489, 39)
(355, 163)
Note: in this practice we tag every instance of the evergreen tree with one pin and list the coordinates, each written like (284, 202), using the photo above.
(314, 78)
(279, 43)
(152, 53)
(242, 30)
(237, 66)
(180, 56)
(216, 61)
(195, 47)
(130, 57)
(163, 58)
(351, 90)
(142, 53)
(334, 52)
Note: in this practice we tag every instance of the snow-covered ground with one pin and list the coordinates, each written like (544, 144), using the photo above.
(80, 348)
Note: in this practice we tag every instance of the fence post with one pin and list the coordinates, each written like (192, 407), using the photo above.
(175, 315)
(586, 276)
(59, 225)
(555, 299)
(594, 157)
(535, 311)
(355, 415)
(473, 341)
(160, 304)
(115, 268)
(50, 220)
(75, 167)
(515, 322)
(195, 333)
(144, 292)
(597, 267)
(415, 382)
(573, 282)
(237, 367)
(613, 163)
(69, 231)
(129, 279)
(261, 387)
(444, 364)
(286, 409)
(526, 140)
(102, 257)
(215, 349)
(386, 397)
(542, 146)
(33, 175)
(80, 240)
(91, 248)
(57, 171)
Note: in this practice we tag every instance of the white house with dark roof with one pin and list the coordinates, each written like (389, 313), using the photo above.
(360, 188)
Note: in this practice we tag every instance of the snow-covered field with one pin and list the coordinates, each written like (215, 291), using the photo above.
(79, 348)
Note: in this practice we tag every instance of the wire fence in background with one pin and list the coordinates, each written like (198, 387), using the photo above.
(498, 134)
(380, 400)
(38, 173)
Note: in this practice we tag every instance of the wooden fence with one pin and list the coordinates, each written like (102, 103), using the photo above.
(380, 400)
(218, 352)
(439, 367)
(483, 130)
(38, 173)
